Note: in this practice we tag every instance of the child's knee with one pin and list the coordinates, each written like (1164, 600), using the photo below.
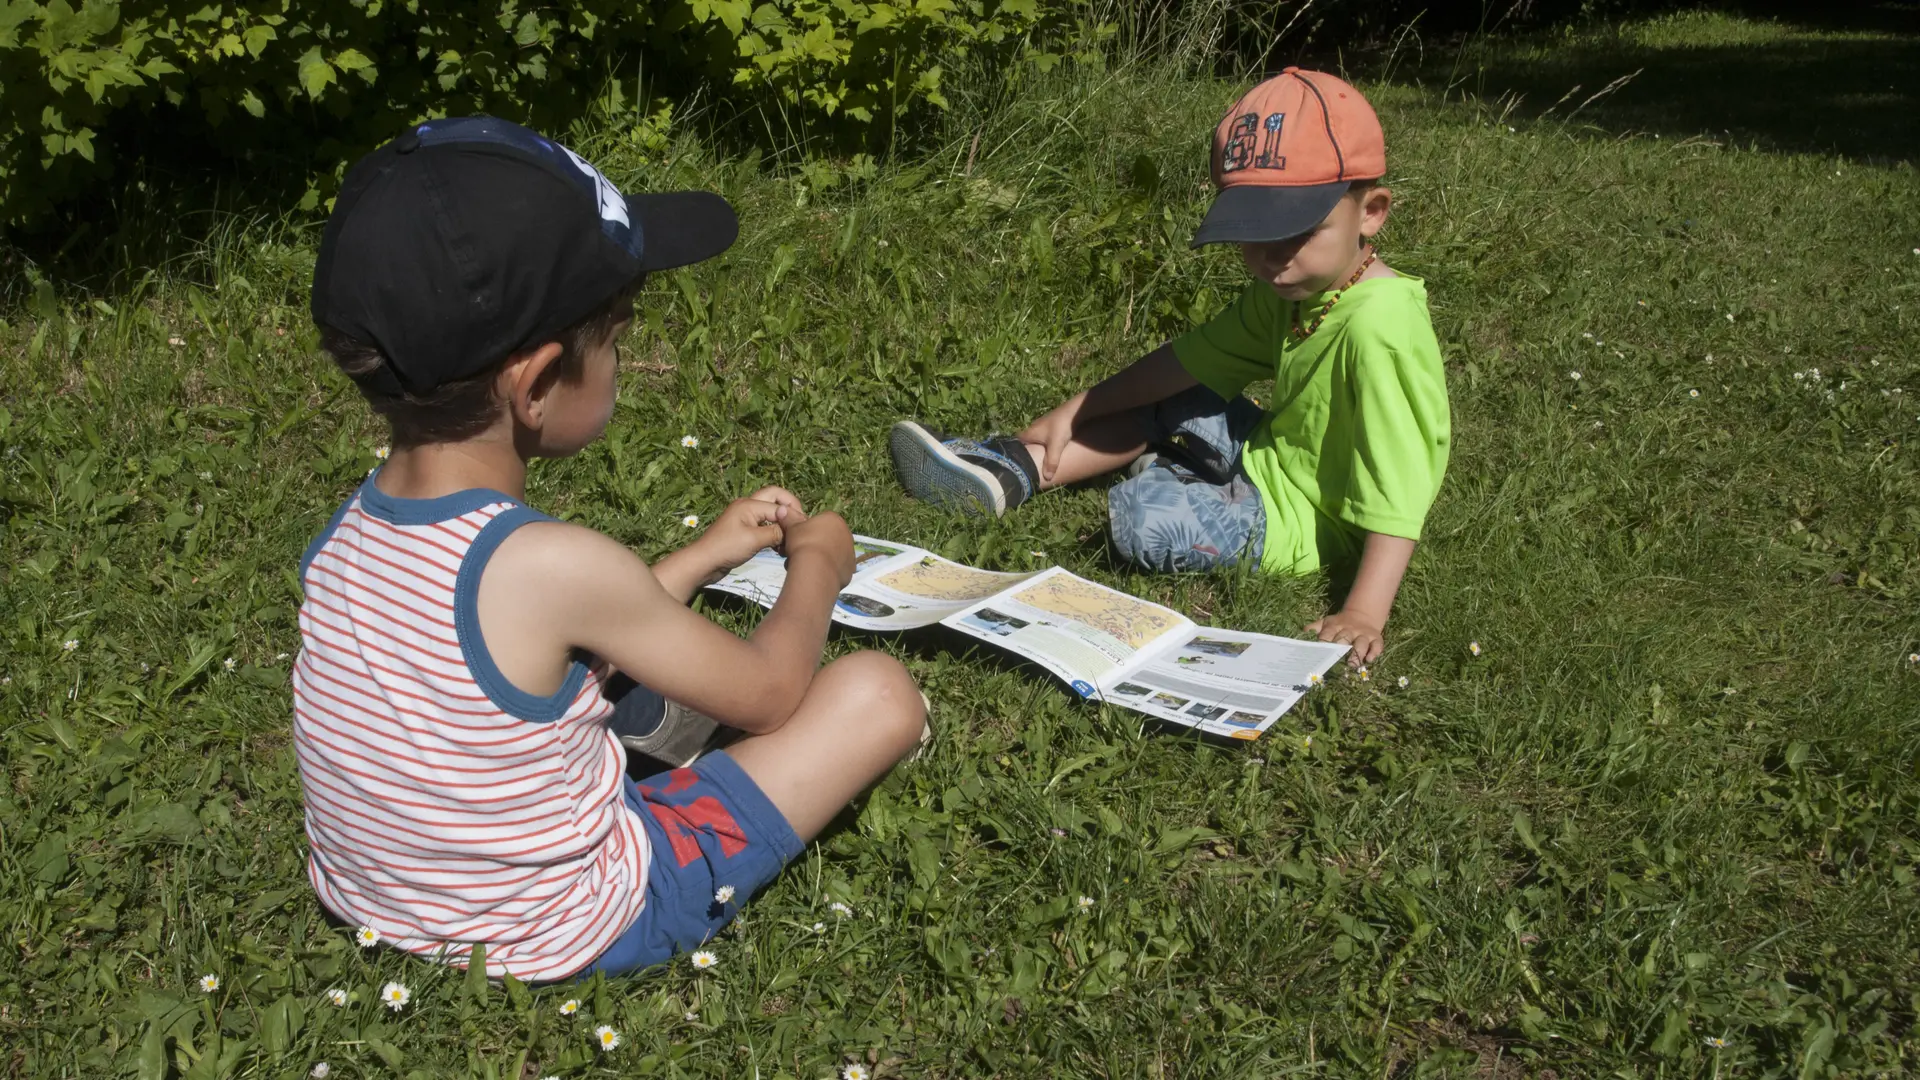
(883, 697)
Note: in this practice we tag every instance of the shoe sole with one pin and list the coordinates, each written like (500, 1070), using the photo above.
(935, 475)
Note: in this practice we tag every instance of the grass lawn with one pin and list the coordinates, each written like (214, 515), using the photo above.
(1676, 798)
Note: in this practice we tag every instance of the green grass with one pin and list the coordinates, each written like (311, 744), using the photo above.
(1677, 797)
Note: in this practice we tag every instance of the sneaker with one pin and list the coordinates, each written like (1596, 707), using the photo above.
(992, 475)
(680, 737)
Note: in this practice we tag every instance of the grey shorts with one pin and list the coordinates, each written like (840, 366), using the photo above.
(1195, 507)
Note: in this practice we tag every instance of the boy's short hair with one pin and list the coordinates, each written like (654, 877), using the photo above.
(464, 407)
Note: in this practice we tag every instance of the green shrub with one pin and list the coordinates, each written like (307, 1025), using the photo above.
(303, 88)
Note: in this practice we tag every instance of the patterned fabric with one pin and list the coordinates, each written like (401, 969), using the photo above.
(1194, 508)
(712, 828)
(445, 806)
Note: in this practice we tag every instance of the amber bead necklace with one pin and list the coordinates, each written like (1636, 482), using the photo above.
(1303, 333)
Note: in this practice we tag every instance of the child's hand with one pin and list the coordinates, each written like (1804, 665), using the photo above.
(746, 527)
(1364, 632)
(824, 537)
(1054, 431)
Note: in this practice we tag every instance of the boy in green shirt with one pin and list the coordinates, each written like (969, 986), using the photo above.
(1343, 467)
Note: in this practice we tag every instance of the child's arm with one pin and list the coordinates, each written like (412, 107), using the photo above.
(1154, 377)
(1362, 621)
(738, 534)
(552, 588)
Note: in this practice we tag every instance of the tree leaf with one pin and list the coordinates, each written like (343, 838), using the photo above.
(315, 73)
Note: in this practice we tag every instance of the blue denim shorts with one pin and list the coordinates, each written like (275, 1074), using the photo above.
(1195, 508)
(709, 825)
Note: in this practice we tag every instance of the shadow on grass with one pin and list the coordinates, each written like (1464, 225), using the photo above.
(1843, 79)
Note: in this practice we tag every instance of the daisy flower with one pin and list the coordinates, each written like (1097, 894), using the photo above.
(337, 997)
(1085, 903)
(70, 644)
(1314, 680)
(841, 909)
(608, 1038)
(569, 1006)
(1913, 658)
(320, 1071)
(176, 341)
(1693, 393)
(723, 895)
(1306, 743)
(381, 452)
(819, 927)
(691, 1017)
(227, 663)
(1473, 647)
(704, 959)
(689, 441)
(855, 1071)
(690, 520)
(366, 937)
(1401, 682)
(1365, 675)
(1574, 375)
(1717, 1042)
(209, 983)
(395, 996)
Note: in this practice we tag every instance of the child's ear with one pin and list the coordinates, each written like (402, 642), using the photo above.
(526, 380)
(1374, 206)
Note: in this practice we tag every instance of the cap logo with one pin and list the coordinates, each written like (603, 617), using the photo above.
(613, 205)
(1246, 135)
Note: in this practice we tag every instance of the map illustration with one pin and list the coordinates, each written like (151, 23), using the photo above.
(935, 578)
(1127, 619)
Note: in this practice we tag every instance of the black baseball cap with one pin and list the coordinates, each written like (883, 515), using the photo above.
(467, 239)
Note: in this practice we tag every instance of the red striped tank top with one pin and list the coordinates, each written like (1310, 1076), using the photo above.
(445, 806)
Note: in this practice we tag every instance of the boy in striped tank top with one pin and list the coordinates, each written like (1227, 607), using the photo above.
(460, 757)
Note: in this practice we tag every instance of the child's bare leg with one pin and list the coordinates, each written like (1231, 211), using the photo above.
(861, 715)
(1106, 445)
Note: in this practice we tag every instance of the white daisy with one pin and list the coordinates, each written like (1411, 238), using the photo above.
(1365, 675)
(689, 441)
(1085, 903)
(819, 927)
(176, 340)
(690, 520)
(691, 1016)
(723, 895)
(1574, 375)
(1717, 1042)
(1693, 393)
(855, 1071)
(281, 656)
(209, 983)
(1473, 647)
(320, 1071)
(395, 996)
(608, 1038)
(70, 644)
(336, 997)
(382, 452)
(845, 911)
(227, 663)
(1314, 680)
(569, 1006)
(703, 959)
(366, 937)
(206, 474)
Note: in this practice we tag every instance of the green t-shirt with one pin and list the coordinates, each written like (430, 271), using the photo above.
(1355, 440)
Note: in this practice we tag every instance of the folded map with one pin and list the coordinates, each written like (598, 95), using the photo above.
(1106, 644)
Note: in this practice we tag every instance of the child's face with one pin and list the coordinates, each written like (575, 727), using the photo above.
(1323, 257)
(578, 409)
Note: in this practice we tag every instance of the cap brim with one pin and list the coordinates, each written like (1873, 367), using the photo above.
(1252, 214)
(679, 228)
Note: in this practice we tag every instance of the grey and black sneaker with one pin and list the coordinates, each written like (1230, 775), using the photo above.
(680, 737)
(990, 475)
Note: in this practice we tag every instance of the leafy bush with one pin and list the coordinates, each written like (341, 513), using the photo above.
(304, 88)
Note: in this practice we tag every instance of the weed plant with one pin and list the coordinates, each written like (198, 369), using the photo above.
(1663, 820)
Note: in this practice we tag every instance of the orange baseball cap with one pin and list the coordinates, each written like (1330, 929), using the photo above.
(1285, 153)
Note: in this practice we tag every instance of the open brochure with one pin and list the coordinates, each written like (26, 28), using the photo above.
(1103, 642)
